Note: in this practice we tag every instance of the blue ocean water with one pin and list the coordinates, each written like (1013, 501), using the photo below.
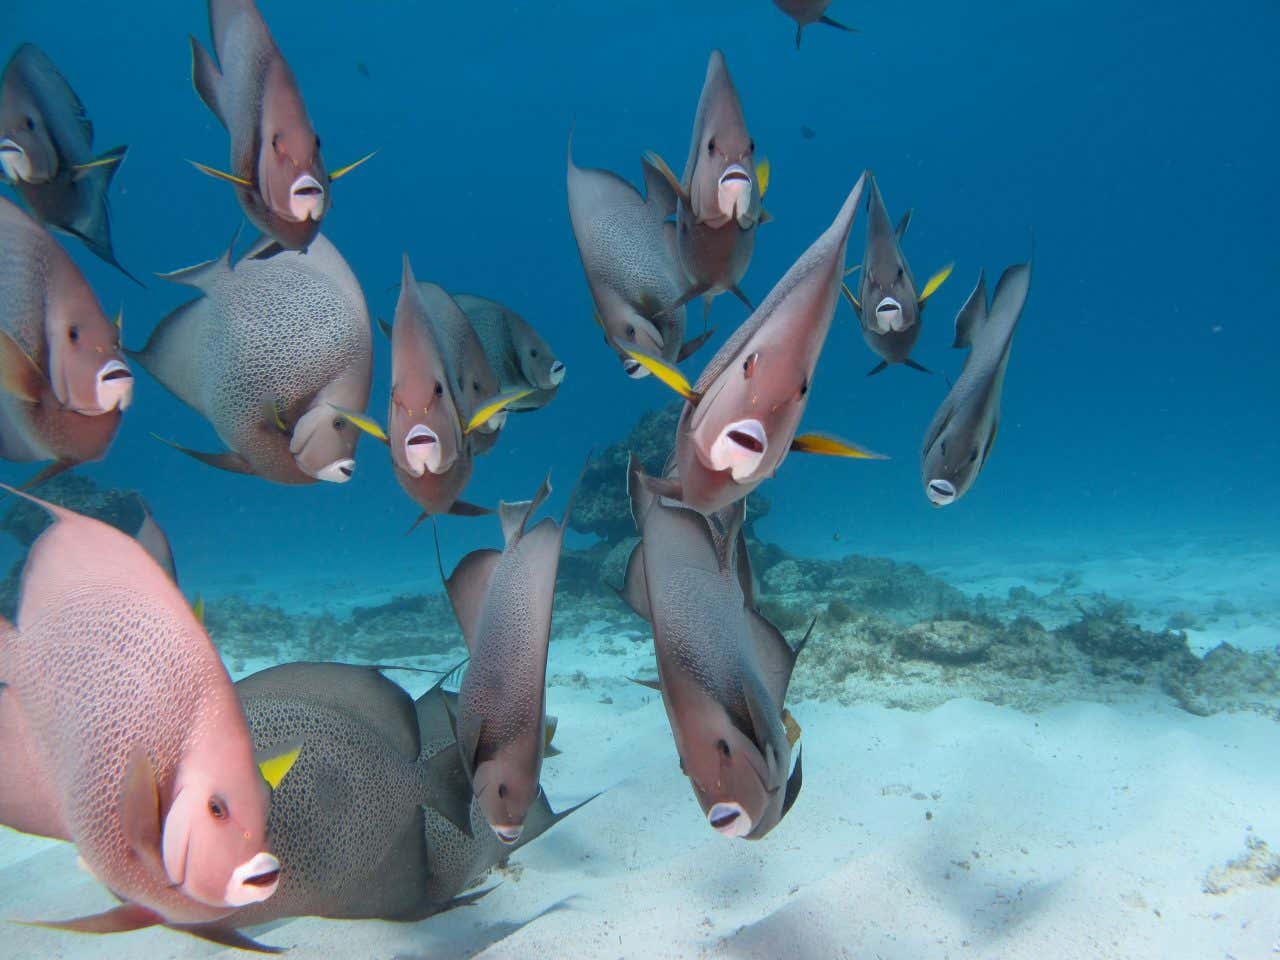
(1133, 141)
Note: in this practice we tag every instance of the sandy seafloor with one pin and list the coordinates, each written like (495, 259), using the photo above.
(1124, 828)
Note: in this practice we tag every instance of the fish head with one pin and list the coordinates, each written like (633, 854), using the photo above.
(86, 365)
(954, 454)
(214, 835)
(27, 152)
(629, 329)
(727, 771)
(539, 364)
(323, 442)
(291, 173)
(506, 786)
(890, 301)
(721, 169)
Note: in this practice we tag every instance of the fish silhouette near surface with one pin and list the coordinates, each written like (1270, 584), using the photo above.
(46, 152)
(963, 431)
(63, 379)
(266, 355)
(121, 733)
(805, 12)
(276, 168)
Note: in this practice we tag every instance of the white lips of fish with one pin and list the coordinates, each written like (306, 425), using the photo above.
(941, 492)
(889, 315)
(14, 161)
(740, 448)
(339, 471)
(114, 386)
(729, 819)
(509, 834)
(735, 190)
(557, 373)
(306, 198)
(422, 450)
(634, 369)
(254, 881)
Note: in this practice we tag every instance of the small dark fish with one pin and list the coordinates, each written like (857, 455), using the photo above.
(362, 69)
(807, 132)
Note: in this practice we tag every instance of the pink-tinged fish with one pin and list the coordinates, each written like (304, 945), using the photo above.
(740, 419)
(120, 732)
(805, 12)
(723, 669)
(63, 381)
(720, 194)
(46, 152)
(276, 167)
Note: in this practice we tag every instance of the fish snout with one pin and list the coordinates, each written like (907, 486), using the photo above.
(740, 448)
(735, 190)
(14, 160)
(114, 386)
(254, 881)
(941, 492)
(729, 819)
(508, 833)
(634, 368)
(339, 471)
(306, 198)
(889, 316)
(557, 372)
(422, 450)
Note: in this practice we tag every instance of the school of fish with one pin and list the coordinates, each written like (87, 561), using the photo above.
(210, 806)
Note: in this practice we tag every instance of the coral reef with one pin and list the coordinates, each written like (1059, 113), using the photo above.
(123, 509)
(1258, 866)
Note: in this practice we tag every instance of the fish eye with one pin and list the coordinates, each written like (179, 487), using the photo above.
(749, 365)
(218, 808)
(534, 353)
(439, 389)
(899, 272)
(339, 423)
(943, 448)
(73, 334)
(804, 388)
(752, 148)
(30, 122)
(502, 791)
(723, 747)
(711, 145)
(317, 141)
(631, 332)
(275, 141)
(973, 455)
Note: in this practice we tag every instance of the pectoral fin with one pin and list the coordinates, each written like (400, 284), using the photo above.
(763, 169)
(343, 171)
(105, 160)
(937, 280)
(660, 165)
(276, 766)
(221, 174)
(139, 810)
(666, 373)
(19, 374)
(494, 406)
(829, 446)
(853, 301)
(363, 421)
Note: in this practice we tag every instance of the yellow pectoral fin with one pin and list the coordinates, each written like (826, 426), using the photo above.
(829, 446)
(275, 768)
(80, 168)
(221, 175)
(363, 421)
(852, 270)
(654, 160)
(198, 609)
(937, 280)
(494, 406)
(668, 374)
(343, 171)
(762, 176)
(848, 295)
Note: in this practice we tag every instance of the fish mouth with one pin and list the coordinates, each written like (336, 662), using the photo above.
(339, 471)
(941, 492)
(306, 198)
(422, 450)
(740, 448)
(508, 833)
(14, 160)
(114, 387)
(735, 190)
(557, 373)
(254, 881)
(889, 315)
(729, 819)
(634, 369)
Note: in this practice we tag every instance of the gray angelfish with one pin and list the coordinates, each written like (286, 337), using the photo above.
(503, 600)
(46, 152)
(723, 669)
(276, 167)
(720, 195)
(518, 354)
(266, 355)
(63, 379)
(628, 254)
(959, 440)
(740, 419)
(805, 12)
(888, 305)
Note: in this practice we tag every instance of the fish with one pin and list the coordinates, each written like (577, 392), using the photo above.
(518, 354)
(265, 354)
(723, 668)
(739, 420)
(64, 383)
(120, 732)
(348, 824)
(46, 153)
(278, 173)
(963, 431)
(807, 132)
(719, 198)
(432, 455)
(629, 256)
(805, 12)
(888, 305)
(474, 381)
(502, 600)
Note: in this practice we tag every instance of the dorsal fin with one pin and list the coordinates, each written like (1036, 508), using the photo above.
(973, 314)
(468, 586)
(903, 224)
(515, 516)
